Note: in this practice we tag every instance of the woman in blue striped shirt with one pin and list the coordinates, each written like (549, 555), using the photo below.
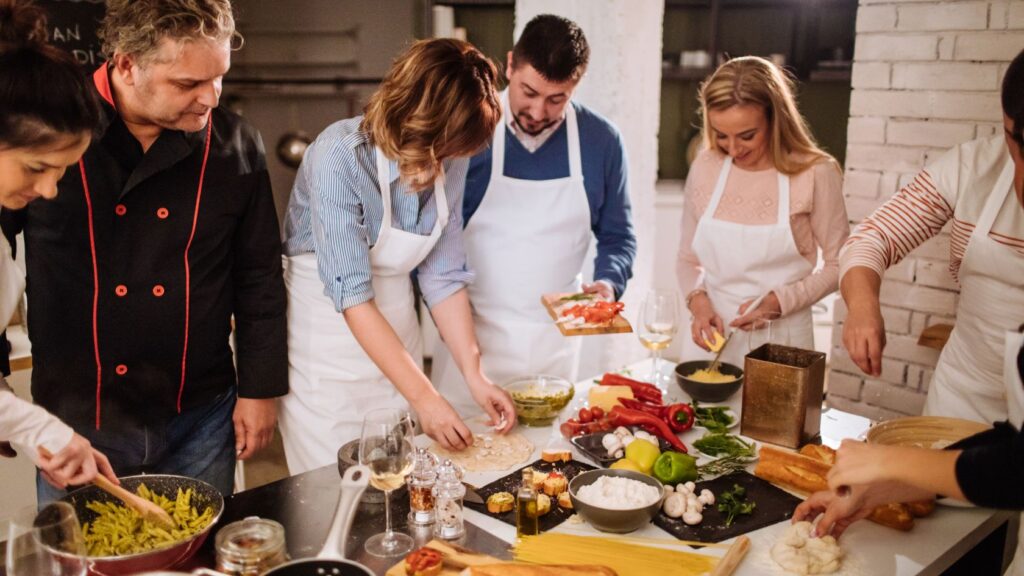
(376, 198)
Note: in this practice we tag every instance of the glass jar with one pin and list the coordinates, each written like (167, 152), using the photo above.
(250, 547)
(448, 495)
(421, 483)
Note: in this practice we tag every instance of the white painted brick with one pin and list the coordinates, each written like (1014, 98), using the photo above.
(861, 409)
(861, 183)
(897, 398)
(904, 271)
(935, 273)
(886, 103)
(844, 385)
(857, 208)
(985, 130)
(896, 320)
(893, 370)
(916, 297)
(926, 380)
(888, 185)
(906, 348)
(1015, 16)
(988, 46)
(914, 373)
(895, 47)
(913, 133)
(905, 179)
(997, 13)
(876, 18)
(937, 248)
(944, 76)
(918, 322)
(876, 157)
(947, 16)
(866, 129)
(871, 75)
(837, 337)
(966, 106)
(947, 46)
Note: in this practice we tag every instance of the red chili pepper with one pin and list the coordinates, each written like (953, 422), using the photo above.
(652, 409)
(680, 417)
(573, 427)
(642, 390)
(621, 416)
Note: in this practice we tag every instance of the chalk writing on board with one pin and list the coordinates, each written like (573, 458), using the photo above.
(72, 26)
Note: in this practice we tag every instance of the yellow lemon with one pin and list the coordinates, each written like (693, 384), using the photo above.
(643, 454)
(626, 464)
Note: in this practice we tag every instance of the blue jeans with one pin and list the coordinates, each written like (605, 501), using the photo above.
(199, 443)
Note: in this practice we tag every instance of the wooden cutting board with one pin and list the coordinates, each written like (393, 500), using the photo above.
(456, 559)
(619, 325)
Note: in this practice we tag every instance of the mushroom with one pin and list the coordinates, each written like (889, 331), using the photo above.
(675, 505)
(622, 432)
(690, 486)
(707, 497)
(692, 518)
(682, 489)
(693, 504)
(642, 435)
(611, 443)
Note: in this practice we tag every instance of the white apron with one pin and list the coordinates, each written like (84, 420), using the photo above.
(527, 238)
(12, 283)
(744, 261)
(1015, 408)
(332, 380)
(968, 380)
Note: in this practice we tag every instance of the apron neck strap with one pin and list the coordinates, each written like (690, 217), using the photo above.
(723, 177)
(995, 199)
(440, 194)
(783, 217)
(572, 136)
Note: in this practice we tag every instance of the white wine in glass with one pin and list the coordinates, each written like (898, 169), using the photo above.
(46, 542)
(657, 326)
(386, 447)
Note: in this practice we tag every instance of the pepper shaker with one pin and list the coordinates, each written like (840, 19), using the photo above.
(448, 494)
(421, 488)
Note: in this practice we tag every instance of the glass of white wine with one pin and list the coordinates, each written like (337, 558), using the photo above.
(657, 325)
(386, 447)
(46, 542)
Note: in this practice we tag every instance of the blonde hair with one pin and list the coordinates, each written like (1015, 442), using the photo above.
(754, 80)
(136, 27)
(438, 101)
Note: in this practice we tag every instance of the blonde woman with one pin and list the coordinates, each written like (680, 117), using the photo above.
(760, 202)
(376, 198)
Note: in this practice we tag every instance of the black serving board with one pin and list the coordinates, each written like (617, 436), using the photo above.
(511, 482)
(590, 445)
(773, 505)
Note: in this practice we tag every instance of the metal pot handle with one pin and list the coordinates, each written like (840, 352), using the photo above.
(353, 483)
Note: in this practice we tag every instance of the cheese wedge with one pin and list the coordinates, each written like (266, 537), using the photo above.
(717, 344)
(607, 397)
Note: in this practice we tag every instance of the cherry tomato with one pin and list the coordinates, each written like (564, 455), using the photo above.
(585, 415)
(598, 412)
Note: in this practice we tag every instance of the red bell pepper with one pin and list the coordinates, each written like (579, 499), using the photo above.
(621, 416)
(680, 417)
(641, 390)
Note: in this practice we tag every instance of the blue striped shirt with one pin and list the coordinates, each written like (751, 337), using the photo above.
(336, 210)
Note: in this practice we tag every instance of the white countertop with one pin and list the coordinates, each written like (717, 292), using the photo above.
(932, 546)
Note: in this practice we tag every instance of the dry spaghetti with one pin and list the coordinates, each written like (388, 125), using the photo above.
(625, 559)
(118, 530)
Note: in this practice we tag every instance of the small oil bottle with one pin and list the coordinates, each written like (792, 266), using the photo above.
(526, 507)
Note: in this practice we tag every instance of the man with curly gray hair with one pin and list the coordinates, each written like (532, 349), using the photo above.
(162, 236)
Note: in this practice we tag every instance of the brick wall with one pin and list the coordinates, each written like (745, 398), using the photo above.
(926, 76)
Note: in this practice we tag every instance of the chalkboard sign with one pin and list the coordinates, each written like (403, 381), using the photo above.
(72, 25)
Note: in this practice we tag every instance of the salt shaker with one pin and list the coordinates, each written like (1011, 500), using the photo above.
(448, 494)
(421, 483)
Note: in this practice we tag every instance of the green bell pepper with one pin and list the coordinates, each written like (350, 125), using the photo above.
(675, 467)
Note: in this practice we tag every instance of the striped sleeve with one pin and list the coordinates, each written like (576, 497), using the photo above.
(912, 216)
(444, 272)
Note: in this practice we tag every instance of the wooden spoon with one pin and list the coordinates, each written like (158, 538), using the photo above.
(727, 565)
(149, 511)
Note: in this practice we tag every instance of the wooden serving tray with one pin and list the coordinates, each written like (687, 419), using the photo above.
(456, 559)
(619, 325)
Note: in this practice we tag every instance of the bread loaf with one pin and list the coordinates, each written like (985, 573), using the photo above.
(791, 470)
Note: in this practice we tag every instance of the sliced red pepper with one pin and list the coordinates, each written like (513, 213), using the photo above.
(680, 417)
(642, 390)
(622, 416)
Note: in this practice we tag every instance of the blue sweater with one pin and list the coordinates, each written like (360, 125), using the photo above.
(604, 178)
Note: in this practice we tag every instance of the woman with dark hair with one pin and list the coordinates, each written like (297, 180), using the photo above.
(977, 186)
(987, 177)
(378, 197)
(47, 122)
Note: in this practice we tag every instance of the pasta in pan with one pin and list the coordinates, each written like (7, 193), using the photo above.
(118, 530)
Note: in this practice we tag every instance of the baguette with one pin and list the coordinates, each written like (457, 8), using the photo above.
(522, 569)
(819, 452)
(921, 508)
(791, 470)
(893, 515)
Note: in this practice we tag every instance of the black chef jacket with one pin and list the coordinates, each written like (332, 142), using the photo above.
(110, 353)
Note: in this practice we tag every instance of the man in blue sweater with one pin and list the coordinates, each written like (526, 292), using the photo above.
(553, 179)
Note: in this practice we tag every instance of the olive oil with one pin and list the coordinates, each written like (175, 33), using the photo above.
(527, 523)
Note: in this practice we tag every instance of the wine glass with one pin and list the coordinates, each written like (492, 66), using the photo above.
(46, 542)
(386, 447)
(658, 323)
